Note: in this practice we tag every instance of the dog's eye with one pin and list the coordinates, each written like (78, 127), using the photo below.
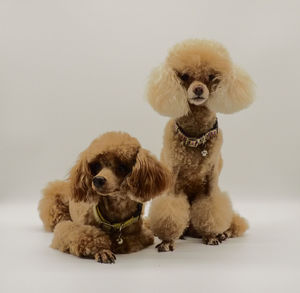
(184, 77)
(123, 169)
(95, 168)
(211, 77)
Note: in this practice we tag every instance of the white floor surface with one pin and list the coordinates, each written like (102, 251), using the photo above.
(266, 259)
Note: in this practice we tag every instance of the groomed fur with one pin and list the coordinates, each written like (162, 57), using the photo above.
(54, 206)
(121, 144)
(169, 216)
(211, 214)
(195, 205)
(148, 178)
(131, 174)
(167, 96)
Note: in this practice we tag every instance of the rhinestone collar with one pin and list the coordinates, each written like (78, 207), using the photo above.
(196, 141)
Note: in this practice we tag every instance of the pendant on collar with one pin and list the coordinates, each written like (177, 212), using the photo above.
(119, 239)
(204, 153)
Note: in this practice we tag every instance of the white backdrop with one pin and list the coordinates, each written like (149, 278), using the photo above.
(71, 70)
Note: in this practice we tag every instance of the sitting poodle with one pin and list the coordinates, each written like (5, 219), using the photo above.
(197, 80)
(98, 211)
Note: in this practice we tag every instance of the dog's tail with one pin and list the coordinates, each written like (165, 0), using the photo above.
(239, 225)
(54, 205)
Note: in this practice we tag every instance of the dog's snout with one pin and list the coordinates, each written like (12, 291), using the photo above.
(99, 181)
(198, 91)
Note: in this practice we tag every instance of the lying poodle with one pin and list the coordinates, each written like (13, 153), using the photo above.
(98, 211)
(197, 80)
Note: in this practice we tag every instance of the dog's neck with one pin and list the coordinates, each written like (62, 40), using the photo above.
(198, 121)
(117, 209)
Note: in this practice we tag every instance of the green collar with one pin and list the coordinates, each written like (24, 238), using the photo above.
(117, 226)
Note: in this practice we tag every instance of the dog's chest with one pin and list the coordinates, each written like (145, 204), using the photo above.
(193, 170)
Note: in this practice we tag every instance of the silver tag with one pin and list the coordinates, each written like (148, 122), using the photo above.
(204, 153)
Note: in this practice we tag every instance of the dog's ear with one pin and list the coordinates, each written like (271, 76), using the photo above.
(165, 93)
(148, 178)
(80, 180)
(236, 92)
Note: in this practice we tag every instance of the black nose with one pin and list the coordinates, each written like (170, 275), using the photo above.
(198, 91)
(99, 181)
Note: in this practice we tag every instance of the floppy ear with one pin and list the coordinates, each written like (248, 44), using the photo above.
(148, 177)
(80, 180)
(165, 93)
(236, 93)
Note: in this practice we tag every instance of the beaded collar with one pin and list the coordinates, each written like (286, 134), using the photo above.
(196, 141)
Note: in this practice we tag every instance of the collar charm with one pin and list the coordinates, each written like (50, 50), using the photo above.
(204, 153)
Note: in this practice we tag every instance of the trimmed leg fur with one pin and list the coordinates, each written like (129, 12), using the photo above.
(211, 216)
(83, 241)
(168, 218)
(54, 206)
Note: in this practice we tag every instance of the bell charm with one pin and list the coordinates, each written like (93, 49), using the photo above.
(119, 240)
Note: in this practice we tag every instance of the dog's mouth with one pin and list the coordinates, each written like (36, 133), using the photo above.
(197, 100)
(108, 192)
(113, 194)
(105, 191)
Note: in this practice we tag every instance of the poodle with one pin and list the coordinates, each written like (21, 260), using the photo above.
(197, 80)
(97, 211)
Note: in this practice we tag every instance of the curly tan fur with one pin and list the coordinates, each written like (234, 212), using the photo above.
(154, 176)
(167, 96)
(131, 175)
(169, 216)
(54, 206)
(197, 80)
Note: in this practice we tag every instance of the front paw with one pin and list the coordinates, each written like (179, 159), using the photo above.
(165, 246)
(105, 256)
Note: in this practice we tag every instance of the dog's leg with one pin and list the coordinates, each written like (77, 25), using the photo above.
(83, 241)
(169, 216)
(211, 217)
(54, 206)
(237, 228)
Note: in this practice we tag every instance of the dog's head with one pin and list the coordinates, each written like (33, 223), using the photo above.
(115, 165)
(199, 72)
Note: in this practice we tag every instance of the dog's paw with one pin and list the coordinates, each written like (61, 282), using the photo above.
(105, 256)
(165, 246)
(210, 240)
(223, 236)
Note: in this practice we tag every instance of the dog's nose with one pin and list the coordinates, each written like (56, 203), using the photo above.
(99, 181)
(198, 91)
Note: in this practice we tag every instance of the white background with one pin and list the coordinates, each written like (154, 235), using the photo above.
(71, 70)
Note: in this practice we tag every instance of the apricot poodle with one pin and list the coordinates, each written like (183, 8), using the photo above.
(197, 80)
(98, 210)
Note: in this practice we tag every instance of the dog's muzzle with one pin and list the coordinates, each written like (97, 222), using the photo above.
(197, 93)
